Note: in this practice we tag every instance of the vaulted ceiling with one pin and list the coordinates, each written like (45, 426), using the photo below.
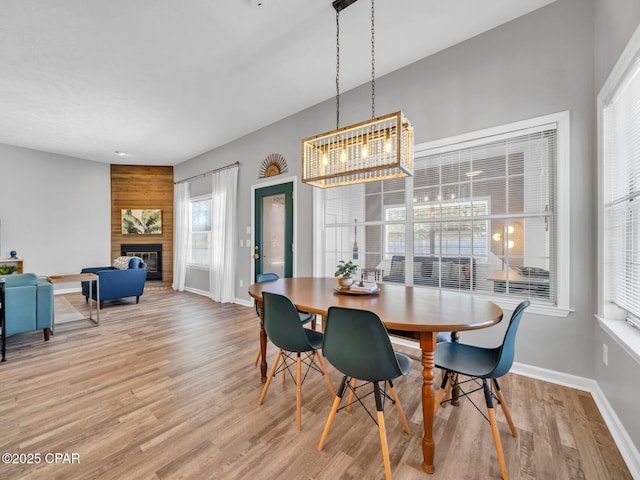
(165, 80)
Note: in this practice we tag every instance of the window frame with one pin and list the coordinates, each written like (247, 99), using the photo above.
(562, 194)
(610, 317)
(192, 200)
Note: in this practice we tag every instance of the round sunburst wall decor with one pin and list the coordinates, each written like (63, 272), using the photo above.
(273, 164)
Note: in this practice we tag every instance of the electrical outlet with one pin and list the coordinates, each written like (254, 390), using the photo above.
(605, 354)
(241, 283)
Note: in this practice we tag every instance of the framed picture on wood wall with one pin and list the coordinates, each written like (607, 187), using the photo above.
(141, 222)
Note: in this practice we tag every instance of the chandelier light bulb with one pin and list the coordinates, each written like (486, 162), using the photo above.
(325, 160)
(364, 152)
(343, 155)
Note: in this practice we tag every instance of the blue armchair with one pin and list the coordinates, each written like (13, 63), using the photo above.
(118, 283)
(28, 304)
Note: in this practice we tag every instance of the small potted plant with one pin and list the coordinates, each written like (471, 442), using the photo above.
(344, 273)
(7, 269)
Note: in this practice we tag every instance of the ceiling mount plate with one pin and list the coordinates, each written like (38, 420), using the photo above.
(340, 5)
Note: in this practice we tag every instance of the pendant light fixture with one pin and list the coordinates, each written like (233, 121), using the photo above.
(372, 150)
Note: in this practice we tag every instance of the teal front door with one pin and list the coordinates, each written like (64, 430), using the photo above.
(273, 249)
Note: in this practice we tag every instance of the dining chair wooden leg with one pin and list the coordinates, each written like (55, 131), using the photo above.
(449, 392)
(324, 372)
(382, 430)
(273, 371)
(332, 413)
(494, 429)
(505, 410)
(396, 402)
(298, 392)
(354, 382)
(441, 392)
(284, 373)
(257, 358)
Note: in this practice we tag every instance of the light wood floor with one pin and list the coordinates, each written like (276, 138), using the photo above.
(167, 390)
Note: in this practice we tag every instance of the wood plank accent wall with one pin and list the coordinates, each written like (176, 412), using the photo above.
(143, 187)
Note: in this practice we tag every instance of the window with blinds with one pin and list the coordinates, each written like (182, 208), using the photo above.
(621, 135)
(198, 251)
(477, 216)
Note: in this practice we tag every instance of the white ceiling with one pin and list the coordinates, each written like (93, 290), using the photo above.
(165, 80)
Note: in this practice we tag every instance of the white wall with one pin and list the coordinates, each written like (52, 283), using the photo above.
(55, 211)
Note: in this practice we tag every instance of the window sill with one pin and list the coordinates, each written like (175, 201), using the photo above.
(625, 335)
(510, 303)
(193, 266)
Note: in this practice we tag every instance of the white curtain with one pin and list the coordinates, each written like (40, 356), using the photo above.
(223, 235)
(180, 234)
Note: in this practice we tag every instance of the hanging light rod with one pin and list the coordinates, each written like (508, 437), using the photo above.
(340, 5)
(369, 151)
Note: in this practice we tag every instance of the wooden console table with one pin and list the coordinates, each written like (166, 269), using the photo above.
(15, 261)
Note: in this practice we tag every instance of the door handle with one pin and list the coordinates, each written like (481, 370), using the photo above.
(256, 256)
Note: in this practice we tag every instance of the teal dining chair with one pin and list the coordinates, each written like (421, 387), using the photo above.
(283, 326)
(478, 365)
(357, 344)
(305, 317)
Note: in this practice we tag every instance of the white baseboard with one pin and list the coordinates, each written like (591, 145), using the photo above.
(204, 293)
(628, 450)
(63, 291)
(624, 443)
(245, 303)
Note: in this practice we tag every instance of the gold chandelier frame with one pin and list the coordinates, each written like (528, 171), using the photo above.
(377, 149)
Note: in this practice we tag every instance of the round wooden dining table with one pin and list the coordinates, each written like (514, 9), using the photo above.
(417, 313)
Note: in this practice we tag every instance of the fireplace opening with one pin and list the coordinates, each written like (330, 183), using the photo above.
(151, 253)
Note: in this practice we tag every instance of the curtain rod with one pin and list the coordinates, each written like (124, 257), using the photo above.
(208, 173)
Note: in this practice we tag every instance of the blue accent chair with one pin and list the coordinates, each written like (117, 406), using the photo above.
(28, 304)
(116, 283)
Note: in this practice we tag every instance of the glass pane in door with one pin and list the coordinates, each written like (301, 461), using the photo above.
(273, 231)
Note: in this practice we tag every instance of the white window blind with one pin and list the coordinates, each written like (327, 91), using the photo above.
(478, 216)
(200, 231)
(621, 133)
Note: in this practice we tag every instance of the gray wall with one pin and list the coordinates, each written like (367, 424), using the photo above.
(55, 211)
(615, 22)
(535, 65)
